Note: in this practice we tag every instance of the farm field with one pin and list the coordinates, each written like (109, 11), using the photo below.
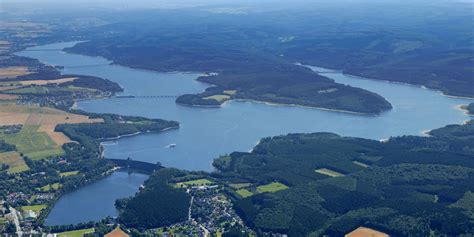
(76, 233)
(70, 173)
(35, 89)
(240, 185)
(8, 97)
(14, 160)
(54, 186)
(37, 139)
(196, 182)
(45, 82)
(271, 187)
(329, 172)
(35, 208)
(360, 164)
(244, 193)
(33, 143)
(218, 97)
(11, 114)
(13, 72)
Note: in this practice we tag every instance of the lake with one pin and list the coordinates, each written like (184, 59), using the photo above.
(95, 201)
(206, 133)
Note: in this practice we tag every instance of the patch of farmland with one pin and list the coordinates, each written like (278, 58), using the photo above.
(76, 233)
(13, 72)
(240, 185)
(360, 164)
(218, 97)
(196, 182)
(244, 193)
(14, 160)
(45, 82)
(271, 187)
(329, 172)
(32, 143)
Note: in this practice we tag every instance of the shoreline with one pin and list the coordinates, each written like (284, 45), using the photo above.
(464, 109)
(102, 140)
(307, 107)
(361, 77)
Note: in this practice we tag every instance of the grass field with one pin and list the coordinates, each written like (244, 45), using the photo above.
(47, 188)
(271, 187)
(14, 160)
(37, 139)
(33, 144)
(240, 185)
(195, 182)
(329, 172)
(45, 82)
(244, 193)
(360, 164)
(35, 208)
(230, 92)
(217, 97)
(76, 233)
(13, 72)
(70, 173)
(33, 89)
(29, 90)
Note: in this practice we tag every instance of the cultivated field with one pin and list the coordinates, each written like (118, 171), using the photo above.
(11, 114)
(8, 97)
(329, 172)
(67, 174)
(218, 97)
(230, 92)
(76, 233)
(32, 143)
(37, 139)
(240, 185)
(244, 193)
(271, 187)
(14, 160)
(196, 182)
(47, 188)
(8, 88)
(360, 164)
(13, 72)
(35, 208)
(58, 137)
(45, 82)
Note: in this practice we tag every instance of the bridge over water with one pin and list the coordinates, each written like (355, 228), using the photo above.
(145, 96)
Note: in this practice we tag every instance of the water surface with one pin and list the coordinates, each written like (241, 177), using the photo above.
(95, 201)
(237, 126)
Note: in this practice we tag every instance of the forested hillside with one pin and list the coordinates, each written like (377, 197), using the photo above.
(159, 204)
(407, 186)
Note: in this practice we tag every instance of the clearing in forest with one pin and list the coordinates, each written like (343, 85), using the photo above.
(271, 187)
(329, 172)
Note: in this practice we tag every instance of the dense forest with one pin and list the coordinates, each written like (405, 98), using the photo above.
(254, 55)
(158, 204)
(327, 184)
(90, 134)
(406, 186)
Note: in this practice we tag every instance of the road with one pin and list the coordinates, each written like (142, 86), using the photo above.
(16, 220)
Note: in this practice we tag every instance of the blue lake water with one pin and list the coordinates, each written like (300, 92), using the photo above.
(206, 133)
(95, 201)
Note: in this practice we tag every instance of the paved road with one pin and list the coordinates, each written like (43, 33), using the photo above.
(16, 220)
